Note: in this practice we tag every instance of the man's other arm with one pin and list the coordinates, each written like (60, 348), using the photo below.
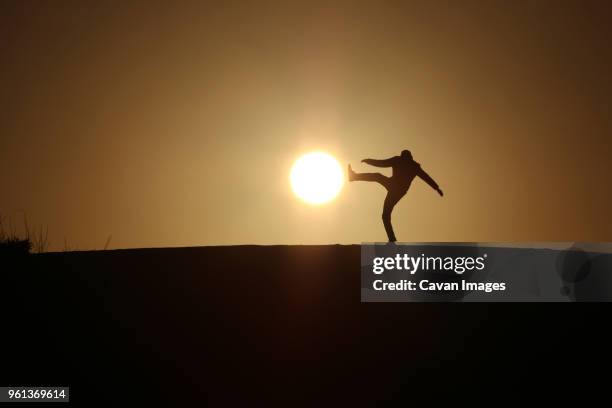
(380, 163)
(427, 178)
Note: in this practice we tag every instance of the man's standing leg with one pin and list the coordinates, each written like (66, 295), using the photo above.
(390, 200)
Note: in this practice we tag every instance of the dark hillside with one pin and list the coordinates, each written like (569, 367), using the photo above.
(249, 323)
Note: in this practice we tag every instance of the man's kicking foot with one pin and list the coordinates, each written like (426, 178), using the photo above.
(351, 173)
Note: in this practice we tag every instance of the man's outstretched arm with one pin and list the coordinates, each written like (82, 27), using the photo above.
(432, 183)
(379, 163)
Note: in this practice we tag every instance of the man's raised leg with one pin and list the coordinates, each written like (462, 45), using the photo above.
(376, 177)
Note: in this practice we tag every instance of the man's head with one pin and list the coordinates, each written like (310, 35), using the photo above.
(406, 154)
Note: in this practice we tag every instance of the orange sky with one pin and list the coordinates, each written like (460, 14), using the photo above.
(177, 125)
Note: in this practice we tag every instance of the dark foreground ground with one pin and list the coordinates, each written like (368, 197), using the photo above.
(261, 325)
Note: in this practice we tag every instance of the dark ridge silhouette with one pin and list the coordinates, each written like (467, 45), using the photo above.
(263, 325)
(405, 169)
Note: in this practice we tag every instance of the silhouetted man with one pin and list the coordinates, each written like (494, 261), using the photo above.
(405, 169)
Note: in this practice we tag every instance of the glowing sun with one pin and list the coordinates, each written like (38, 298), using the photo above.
(316, 178)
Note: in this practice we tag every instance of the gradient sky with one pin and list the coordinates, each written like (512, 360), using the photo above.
(176, 125)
